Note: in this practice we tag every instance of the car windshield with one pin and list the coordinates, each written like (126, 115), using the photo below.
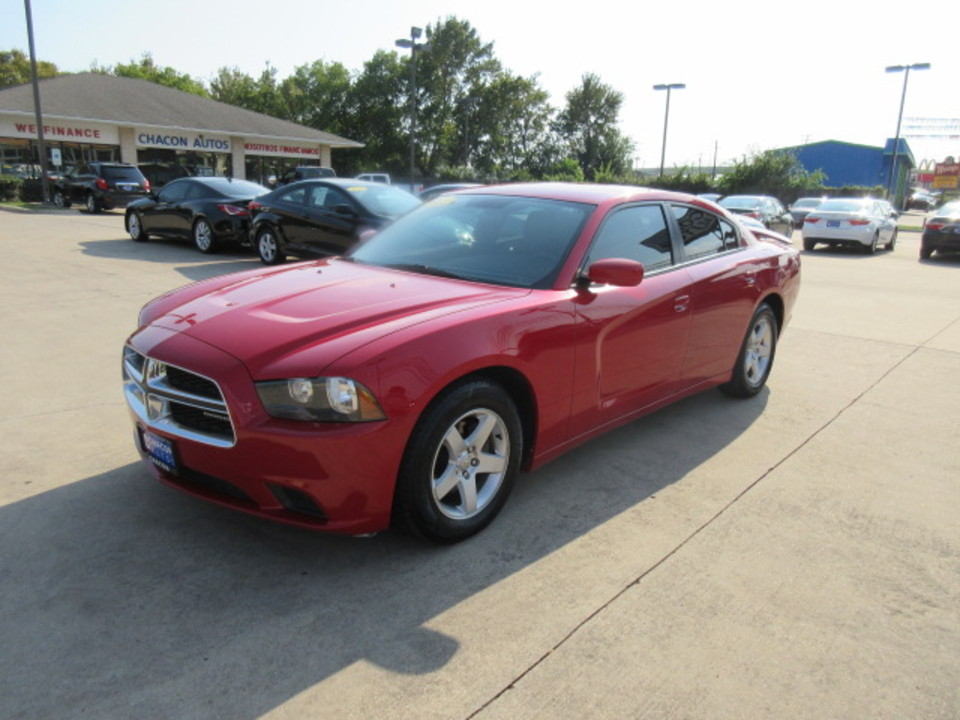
(807, 203)
(231, 188)
(130, 174)
(498, 239)
(841, 205)
(383, 200)
(741, 202)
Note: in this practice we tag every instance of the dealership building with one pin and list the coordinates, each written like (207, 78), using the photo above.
(92, 116)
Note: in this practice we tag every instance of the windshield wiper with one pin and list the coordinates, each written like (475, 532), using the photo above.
(426, 270)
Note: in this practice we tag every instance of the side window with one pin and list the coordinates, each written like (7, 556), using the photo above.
(636, 233)
(704, 233)
(174, 192)
(295, 197)
(336, 197)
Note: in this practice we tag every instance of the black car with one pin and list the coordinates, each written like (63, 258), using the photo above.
(322, 216)
(101, 186)
(942, 231)
(922, 200)
(765, 208)
(210, 211)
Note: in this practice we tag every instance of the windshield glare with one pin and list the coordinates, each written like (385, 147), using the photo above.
(516, 241)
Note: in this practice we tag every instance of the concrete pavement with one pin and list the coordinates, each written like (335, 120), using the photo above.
(796, 555)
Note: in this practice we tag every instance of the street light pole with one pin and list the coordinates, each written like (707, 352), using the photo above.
(905, 69)
(413, 46)
(666, 118)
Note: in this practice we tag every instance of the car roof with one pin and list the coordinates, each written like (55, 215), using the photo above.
(581, 192)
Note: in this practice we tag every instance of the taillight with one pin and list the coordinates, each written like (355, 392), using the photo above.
(811, 220)
(858, 222)
(935, 225)
(232, 209)
(146, 185)
(755, 215)
(254, 205)
(101, 184)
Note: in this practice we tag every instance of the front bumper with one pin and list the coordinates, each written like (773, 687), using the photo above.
(336, 477)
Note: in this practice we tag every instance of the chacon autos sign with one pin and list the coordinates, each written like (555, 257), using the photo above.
(182, 141)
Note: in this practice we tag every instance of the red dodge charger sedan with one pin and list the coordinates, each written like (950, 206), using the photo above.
(486, 332)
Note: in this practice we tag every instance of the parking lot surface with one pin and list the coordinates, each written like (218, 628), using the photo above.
(796, 555)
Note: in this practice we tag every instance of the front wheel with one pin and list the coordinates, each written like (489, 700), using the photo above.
(135, 226)
(268, 246)
(203, 238)
(756, 355)
(460, 463)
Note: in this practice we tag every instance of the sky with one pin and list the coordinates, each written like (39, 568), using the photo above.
(758, 74)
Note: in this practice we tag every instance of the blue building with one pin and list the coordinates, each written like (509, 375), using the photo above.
(851, 164)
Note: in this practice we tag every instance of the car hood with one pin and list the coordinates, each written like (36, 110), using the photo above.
(314, 313)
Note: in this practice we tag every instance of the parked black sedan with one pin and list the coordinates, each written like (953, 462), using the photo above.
(765, 208)
(941, 233)
(210, 211)
(322, 216)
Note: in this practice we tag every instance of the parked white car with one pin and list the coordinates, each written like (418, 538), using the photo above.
(862, 223)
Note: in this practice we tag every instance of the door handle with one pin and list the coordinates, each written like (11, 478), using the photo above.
(681, 303)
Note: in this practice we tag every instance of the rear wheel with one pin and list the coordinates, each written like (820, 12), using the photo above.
(268, 246)
(203, 236)
(60, 200)
(756, 355)
(460, 463)
(91, 204)
(872, 247)
(893, 241)
(809, 244)
(925, 252)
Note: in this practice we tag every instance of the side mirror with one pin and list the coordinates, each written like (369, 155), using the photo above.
(619, 272)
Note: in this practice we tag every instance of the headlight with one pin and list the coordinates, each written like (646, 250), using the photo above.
(333, 399)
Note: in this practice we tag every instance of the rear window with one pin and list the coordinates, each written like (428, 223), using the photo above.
(843, 206)
(236, 188)
(127, 174)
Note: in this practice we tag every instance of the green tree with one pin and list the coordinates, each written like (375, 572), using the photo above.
(147, 69)
(260, 95)
(589, 123)
(455, 69)
(772, 172)
(15, 68)
(318, 95)
(379, 107)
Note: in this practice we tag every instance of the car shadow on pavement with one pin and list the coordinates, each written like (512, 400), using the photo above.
(174, 252)
(121, 597)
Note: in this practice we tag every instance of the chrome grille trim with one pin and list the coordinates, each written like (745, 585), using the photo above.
(155, 401)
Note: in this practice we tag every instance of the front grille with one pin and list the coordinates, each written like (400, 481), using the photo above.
(191, 383)
(175, 400)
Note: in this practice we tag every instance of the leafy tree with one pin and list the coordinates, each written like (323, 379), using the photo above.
(589, 123)
(379, 107)
(147, 69)
(455, 69)
(15, 68)
(772, 172)
(318, 95)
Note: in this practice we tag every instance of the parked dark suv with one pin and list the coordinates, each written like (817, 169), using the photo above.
(101, 186)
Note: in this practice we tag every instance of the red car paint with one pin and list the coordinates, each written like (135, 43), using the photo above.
(579, 359)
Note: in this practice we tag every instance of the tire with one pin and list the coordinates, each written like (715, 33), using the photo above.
(925, 252)
(756, 355)
(91, 204)
(203, 239)
(60, 200)
(808, 244)
(135, 226)
(268, 246)
(893, 241)
(460, 463)
(872, 247)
